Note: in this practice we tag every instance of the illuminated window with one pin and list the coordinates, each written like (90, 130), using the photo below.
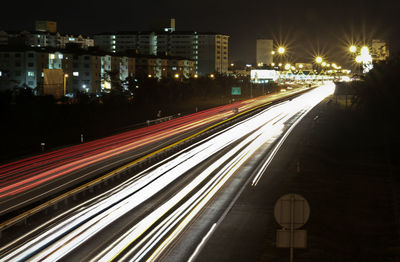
(60, 56)
(52, 56)
(71, 39)
(75, 73)
(42, 74)
(30, 73)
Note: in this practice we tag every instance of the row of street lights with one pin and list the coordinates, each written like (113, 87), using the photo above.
(362, 56)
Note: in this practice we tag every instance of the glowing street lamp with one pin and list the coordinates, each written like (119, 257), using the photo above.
(352, 49)
(176, 75)
(323, 64)
(281, 50)
(364, 51)
(301, 66)
(318, 59)
(287, 66)
(359, 59)
(273, 53)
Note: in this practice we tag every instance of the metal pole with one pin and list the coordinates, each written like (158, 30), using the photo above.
(291, 226)
(65, 84)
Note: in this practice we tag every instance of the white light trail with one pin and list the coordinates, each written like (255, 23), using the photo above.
(94, 216)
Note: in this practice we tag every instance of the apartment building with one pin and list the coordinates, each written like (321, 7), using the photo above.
(209, 51)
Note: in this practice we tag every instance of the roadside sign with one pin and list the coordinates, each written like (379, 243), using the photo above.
(236, 91)
(299, 238)
(292, 210)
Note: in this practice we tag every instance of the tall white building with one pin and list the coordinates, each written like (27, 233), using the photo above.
(264, 52)
(209, 51)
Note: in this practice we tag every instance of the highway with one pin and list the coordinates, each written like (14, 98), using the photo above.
(32, 179)
(144, 217)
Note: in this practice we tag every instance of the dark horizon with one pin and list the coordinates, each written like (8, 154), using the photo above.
(306, 28)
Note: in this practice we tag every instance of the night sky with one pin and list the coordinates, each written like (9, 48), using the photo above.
(305, 27)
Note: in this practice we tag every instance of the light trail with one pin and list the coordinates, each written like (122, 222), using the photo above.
(23, 175)
(85, 222)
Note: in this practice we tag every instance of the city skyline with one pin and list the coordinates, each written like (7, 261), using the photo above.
(306, 28)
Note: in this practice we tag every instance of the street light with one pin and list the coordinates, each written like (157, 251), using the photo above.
(65, 84)
(281, 50)
(364, 51)
(287, 66)
(352, 49)
(318, 59)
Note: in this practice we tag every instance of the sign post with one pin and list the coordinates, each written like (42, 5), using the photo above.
(291, 211)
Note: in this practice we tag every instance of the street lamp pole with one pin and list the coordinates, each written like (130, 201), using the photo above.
(65, 84)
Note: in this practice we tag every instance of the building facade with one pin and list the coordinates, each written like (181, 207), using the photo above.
(264, 48)
(209, 51)
(379, 50)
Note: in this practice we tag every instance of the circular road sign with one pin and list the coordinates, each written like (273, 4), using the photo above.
(292, 211)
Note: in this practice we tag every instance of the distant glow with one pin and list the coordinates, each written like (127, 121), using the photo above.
(281, 50)
(273, 64)
(287, 66)
(323, 64)
(280, 64)
(273, 53)
(212, 75)
(364, 51)
(353, 49)
(293, 68)
(149, 76)
(196, 76)
(176, 75)
(318, 59)
(107, 85)
(52, 56)
(66, 75)
(301, 66)
(358, 59)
